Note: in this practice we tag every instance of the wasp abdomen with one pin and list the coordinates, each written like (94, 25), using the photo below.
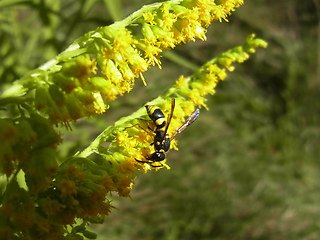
(156, 116)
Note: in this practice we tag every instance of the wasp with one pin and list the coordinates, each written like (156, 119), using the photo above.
(162, 140)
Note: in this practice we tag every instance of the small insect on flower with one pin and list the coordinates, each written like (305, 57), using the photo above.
(162, 140)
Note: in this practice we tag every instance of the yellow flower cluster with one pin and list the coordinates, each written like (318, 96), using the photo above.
(125, 56)
(82, 85)
(72, 92)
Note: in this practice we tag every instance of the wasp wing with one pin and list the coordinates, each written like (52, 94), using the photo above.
(190, 120)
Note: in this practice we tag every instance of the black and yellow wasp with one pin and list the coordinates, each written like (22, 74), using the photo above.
(162, 140)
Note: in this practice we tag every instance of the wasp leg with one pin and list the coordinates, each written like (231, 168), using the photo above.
(140, 161)
(149, 129)
(150, 163)
(156, 166)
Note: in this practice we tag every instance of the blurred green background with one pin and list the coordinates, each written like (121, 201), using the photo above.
(246, 169)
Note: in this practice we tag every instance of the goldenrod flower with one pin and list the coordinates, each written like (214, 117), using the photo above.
(119, 54)
(149, 18)
(98, 104)
(96, 69)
